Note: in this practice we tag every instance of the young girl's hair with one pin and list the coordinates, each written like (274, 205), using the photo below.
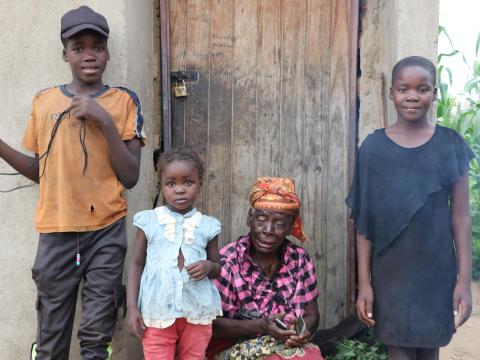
(180, 154)
(415, 61)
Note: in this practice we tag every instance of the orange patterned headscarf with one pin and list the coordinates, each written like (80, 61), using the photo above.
(278, 194)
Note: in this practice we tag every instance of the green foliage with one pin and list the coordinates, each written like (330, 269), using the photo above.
(358, 350)
(462, 113)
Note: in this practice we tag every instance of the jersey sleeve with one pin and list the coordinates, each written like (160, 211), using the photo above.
(30, 136)
(134, 123)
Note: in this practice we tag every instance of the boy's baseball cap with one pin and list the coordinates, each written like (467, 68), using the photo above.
(80, 19)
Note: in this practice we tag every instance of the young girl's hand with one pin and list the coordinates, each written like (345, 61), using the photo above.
(365, 305)
(462, 303)
(198, 270)
(136, 325)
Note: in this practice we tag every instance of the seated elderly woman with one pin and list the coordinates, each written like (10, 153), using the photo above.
(267, 284)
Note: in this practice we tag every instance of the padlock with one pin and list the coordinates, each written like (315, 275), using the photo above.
(180, 89)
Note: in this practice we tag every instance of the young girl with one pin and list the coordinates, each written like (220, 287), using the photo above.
(175, 254)
(409, 200)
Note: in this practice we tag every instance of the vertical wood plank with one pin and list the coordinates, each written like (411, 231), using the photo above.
(196, 103)
(220, 113)
(292, 90)
(268, 89)
(352, 144)
(337, 181)
(275, 98)
(244, 112)
(178, 50)
(164, 7)
(317, 98)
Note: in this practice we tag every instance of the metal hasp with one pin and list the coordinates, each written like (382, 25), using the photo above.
(184, 75)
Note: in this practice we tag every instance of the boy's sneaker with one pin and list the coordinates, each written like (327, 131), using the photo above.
(33, 351)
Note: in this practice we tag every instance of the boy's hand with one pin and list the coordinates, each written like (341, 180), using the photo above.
(365, 305)
(462, 303)
(136, 326)
(85, 107)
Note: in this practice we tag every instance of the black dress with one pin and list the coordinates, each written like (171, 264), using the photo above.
(400, 202)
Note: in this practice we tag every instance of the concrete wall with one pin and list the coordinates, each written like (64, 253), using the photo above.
(30, 61)
(390, 31)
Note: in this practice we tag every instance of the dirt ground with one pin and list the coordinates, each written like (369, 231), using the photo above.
(465, 344)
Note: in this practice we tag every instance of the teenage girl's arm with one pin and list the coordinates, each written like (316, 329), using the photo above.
(24, 164)
(124, 155)
(462, 233)
(134, 317)
(210, 267)
(365, 291)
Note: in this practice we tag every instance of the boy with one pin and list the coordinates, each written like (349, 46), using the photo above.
(86, 138)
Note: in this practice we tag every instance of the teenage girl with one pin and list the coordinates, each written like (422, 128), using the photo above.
(409, 200)
(171, 300)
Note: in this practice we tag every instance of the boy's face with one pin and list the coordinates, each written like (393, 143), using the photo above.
(413, 92)
(87, 54)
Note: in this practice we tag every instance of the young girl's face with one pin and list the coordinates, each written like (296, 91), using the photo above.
(413, 92)
(180, 185)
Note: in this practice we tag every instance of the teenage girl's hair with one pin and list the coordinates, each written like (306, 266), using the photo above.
(415, 61)
(180, 154)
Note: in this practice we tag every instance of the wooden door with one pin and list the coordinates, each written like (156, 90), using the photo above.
(275, 97)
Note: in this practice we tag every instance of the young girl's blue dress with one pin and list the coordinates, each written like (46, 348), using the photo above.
(400, 202)
(166, 292)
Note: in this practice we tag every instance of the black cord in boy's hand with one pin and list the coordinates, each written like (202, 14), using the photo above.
(85, 107)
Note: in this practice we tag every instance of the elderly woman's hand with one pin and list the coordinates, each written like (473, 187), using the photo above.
(271, 328)
(298, 340)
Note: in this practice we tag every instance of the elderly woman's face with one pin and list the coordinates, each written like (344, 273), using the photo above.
(268, 229)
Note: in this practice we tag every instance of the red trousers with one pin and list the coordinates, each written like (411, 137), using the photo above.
(186, 341)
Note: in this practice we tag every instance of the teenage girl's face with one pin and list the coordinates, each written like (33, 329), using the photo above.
(87, 54)
(180, 185)
(413, 92)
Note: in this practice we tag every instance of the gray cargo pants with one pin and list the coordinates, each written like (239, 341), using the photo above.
(58, 278)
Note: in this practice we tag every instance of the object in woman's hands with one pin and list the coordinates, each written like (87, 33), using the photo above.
(280, 323)
(300, 325)
(248, 314)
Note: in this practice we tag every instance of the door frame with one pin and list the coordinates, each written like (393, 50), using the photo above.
(166, 138)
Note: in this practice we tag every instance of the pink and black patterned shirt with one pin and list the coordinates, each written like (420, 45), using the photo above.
(244, 286)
